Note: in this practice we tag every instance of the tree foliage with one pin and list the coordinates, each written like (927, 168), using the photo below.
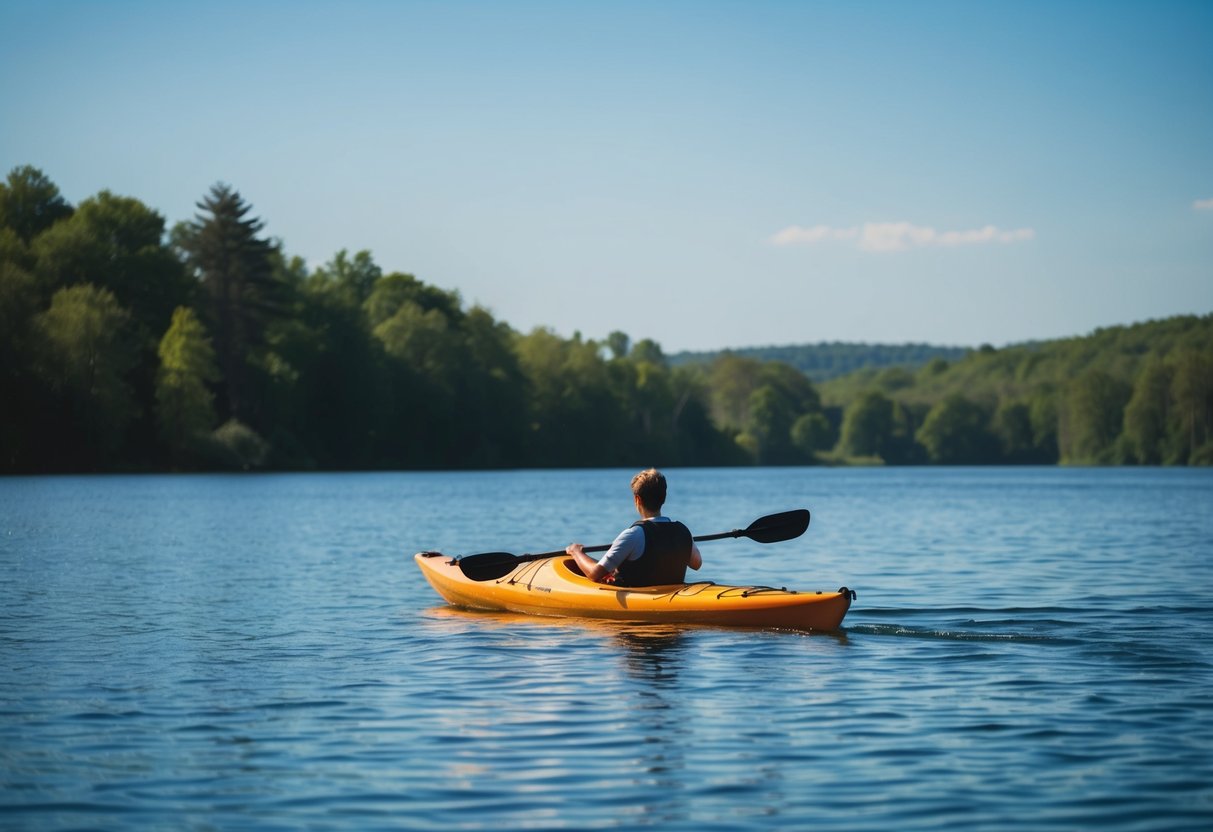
(184, 402)
(85, 357)
(122, 348)
(30, 203)
(235, 266)
(1093, 417)
(1133, 394)
(867, 429)
(1150, 415)
(956, 432)
(115, 243)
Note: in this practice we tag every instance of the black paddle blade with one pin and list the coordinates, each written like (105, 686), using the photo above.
(777, 527)
(488, 566)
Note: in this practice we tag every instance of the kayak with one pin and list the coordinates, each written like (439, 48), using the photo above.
(554, 586)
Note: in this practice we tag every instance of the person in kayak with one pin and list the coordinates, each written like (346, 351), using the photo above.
(654, 550)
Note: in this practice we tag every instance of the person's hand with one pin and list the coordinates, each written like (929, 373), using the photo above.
(574, 549)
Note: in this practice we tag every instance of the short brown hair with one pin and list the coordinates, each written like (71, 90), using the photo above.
(649, 486)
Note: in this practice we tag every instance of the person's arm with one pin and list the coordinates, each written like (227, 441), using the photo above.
(589, 567)
(629, 541)
(696, 560)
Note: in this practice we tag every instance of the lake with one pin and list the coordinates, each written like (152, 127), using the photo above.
(1030, 648)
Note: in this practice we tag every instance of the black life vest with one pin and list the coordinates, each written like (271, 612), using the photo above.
(667, 553)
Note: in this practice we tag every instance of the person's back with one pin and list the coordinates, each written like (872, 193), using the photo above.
(665, 557)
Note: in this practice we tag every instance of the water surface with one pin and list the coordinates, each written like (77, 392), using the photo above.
(1029, 649)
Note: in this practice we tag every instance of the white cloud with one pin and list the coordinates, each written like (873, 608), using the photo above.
(795, 235)
(1203, 204)
(897, 236)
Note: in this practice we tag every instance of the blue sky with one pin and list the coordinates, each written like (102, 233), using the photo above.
(704, 174)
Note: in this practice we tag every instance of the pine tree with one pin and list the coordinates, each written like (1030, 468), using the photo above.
(235, 267)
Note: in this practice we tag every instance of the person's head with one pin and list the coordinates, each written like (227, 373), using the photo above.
(648, 487)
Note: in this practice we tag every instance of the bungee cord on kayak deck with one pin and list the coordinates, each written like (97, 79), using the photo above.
(528, 569)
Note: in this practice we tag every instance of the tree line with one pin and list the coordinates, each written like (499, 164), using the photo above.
(1140, 394)
(129, 345)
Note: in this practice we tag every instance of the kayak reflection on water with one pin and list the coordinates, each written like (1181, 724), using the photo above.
(652, 653)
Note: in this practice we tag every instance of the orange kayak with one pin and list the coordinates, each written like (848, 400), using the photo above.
(555, 587)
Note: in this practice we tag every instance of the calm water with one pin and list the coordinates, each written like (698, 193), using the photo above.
(1030, 649)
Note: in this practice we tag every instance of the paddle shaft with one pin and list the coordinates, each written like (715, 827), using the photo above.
(602, 548)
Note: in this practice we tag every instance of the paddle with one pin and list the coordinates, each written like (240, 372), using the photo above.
(770, 529)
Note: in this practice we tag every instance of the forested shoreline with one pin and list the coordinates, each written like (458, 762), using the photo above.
(127, 345)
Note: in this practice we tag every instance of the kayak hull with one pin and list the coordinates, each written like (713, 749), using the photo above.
(554, 587)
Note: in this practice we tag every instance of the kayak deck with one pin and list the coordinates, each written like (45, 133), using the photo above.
(555, 587)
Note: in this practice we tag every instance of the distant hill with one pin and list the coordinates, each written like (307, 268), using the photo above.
(827, 360)
(1138, 393)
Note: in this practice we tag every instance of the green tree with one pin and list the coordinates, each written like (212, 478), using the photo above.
(867, 425)
(618, 343)
(1148, 414)
(13, 250)
(1016, 434)
(799, 392)
(423, 340)
(647, 350)
(116, 243)
(935, 367)
(955, 432)
(813, 433)
(396, 289)
(1192, 390)
(19, 388)
(356, 277)
(1042, 412)
(641, 387)
(770, 426)
(735, 382)
(492, 398)
(236, 267)
(426, 358)
(184, 402)
(323, 352)
(732, 379)
(892, 379)
(901, 448)
(1094, 415)
(85, 361)
(18, 303)
(239, 447)
(30, 203)
(574, 416)
(696, 440)
(457, 372)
